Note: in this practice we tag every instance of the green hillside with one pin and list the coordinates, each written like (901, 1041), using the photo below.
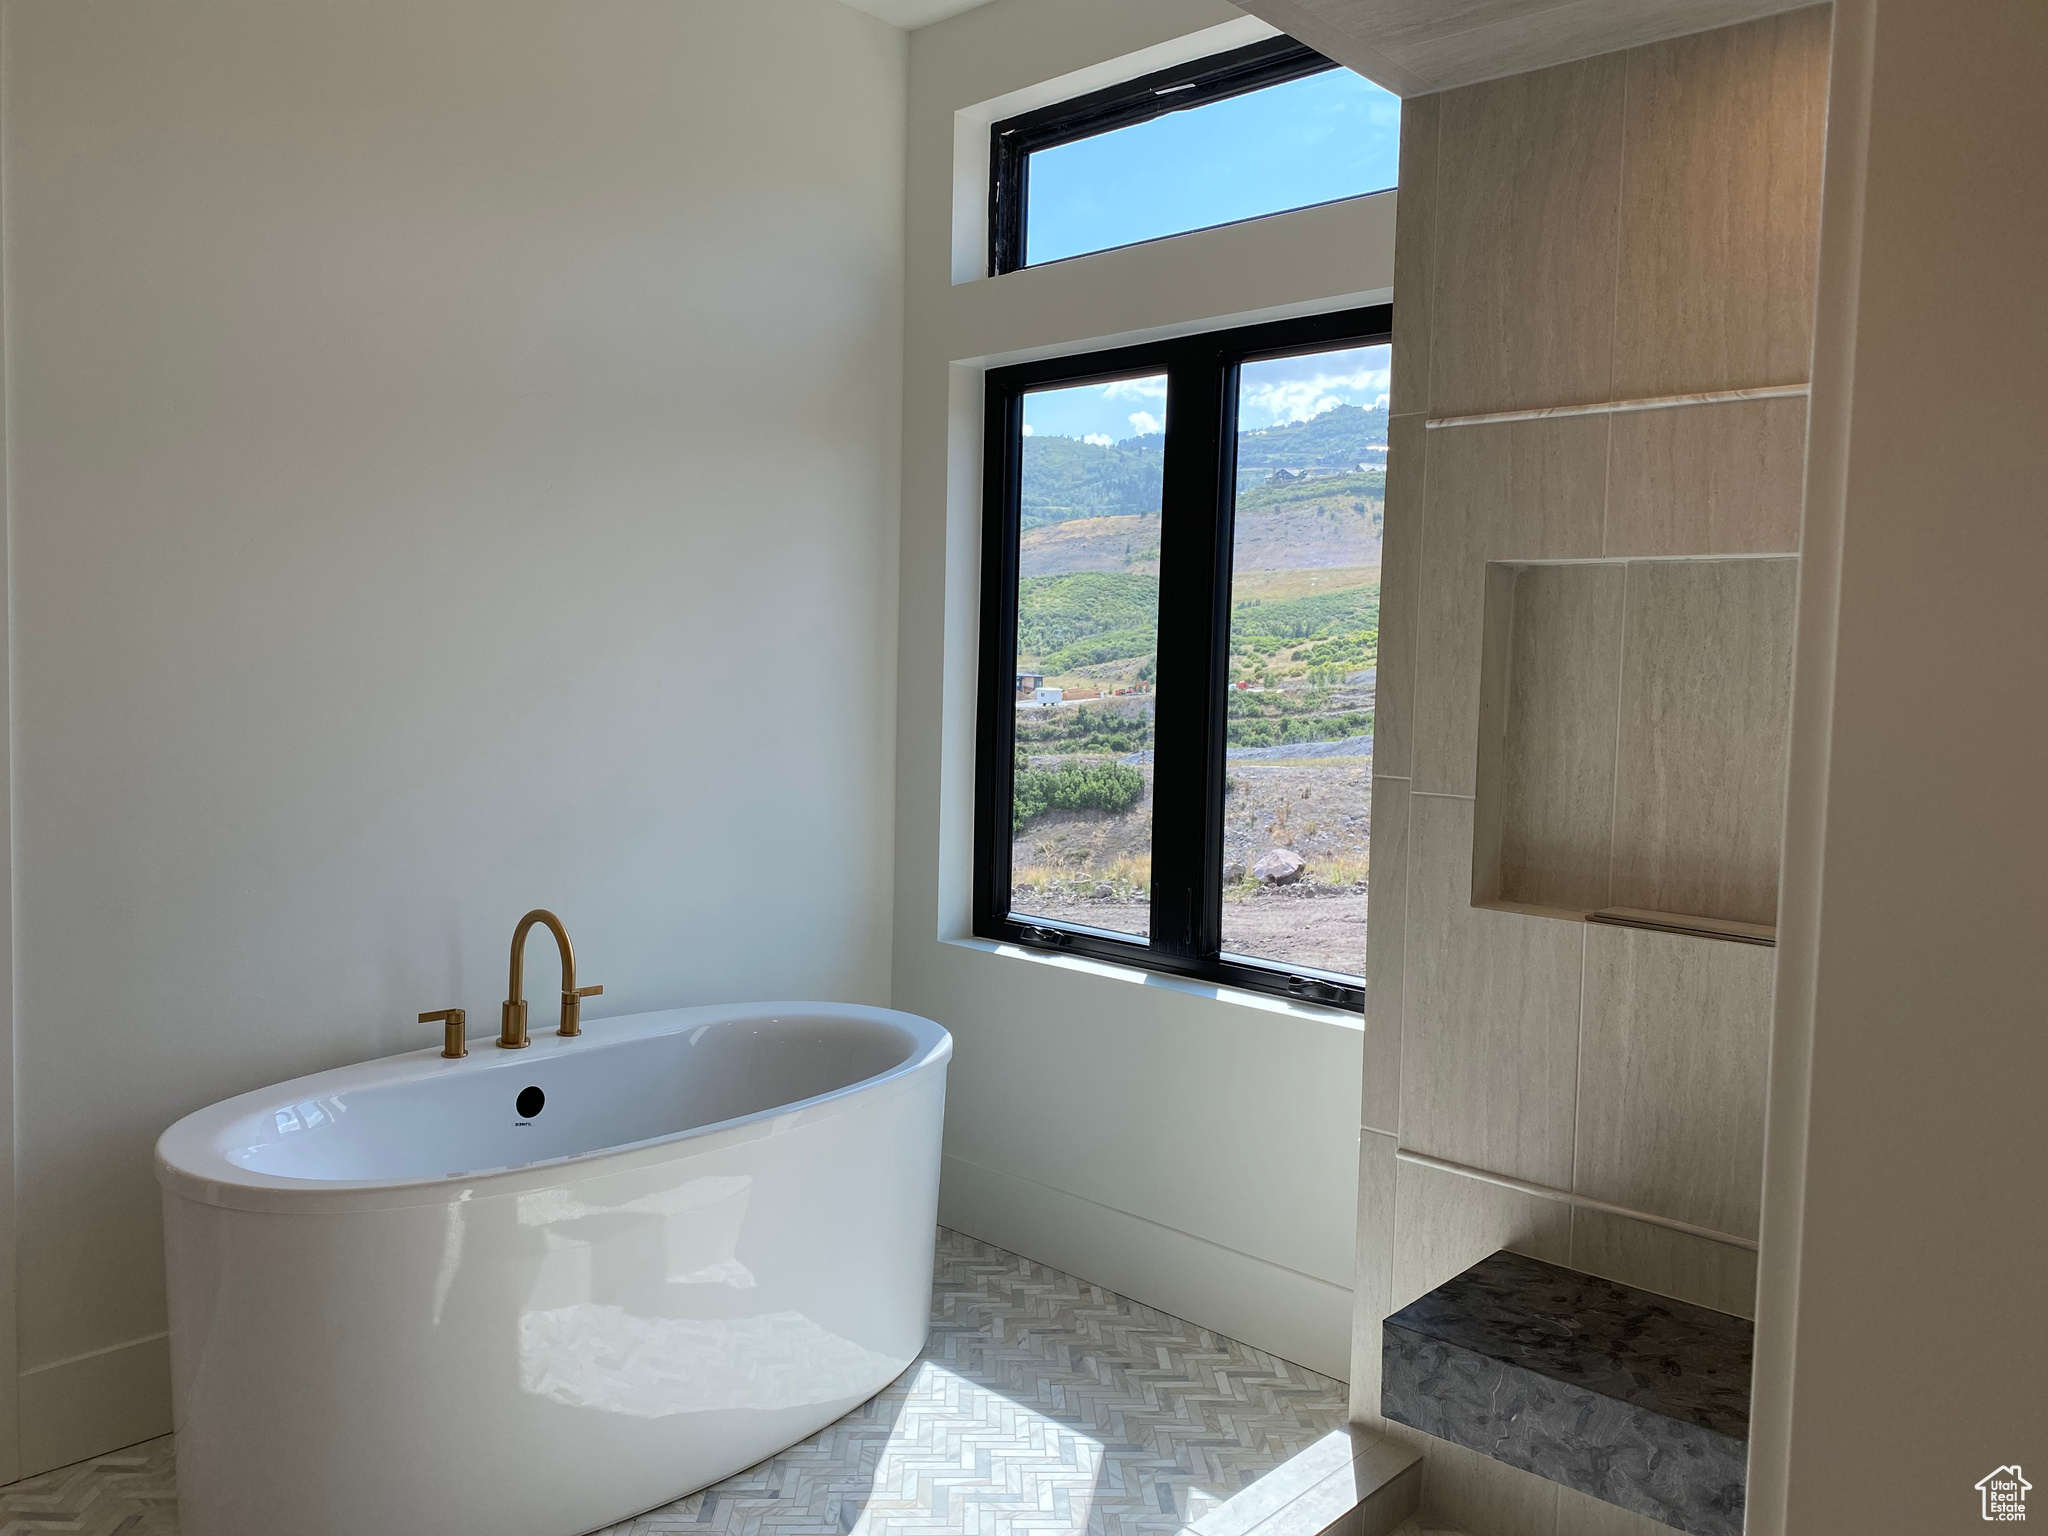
(1066, 624)
(1337, 439)
(1103, 615)
(1323, 636)
(1065, 478)
(1354, 490)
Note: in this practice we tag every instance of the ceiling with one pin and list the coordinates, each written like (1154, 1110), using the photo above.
(1413, 47)
(914, 13)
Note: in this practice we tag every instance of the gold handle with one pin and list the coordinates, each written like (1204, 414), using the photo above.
(572, 1008)
(454, 1042)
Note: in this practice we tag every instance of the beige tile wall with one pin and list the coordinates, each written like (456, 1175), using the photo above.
(1706, 699)
(1414, 247)
(1720, 199)
(1578, 1515)
(1483, 1497)
(1672, 1052)
(1490, 1014)
(1400, 571)
(1372, 1291)
(1525, 490)
(1707, 1274)
(1633, 225)
(1555, 802)
(1710, 479)
(1527, 196)
(1445, 1223)
(1385, 960)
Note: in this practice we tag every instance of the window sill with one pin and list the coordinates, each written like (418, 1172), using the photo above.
(1131, 975)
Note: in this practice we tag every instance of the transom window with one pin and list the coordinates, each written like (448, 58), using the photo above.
(1240, 135)
(1180, 628)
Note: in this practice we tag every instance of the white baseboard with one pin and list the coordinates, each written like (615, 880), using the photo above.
(1266, 1305)
(91, 1404)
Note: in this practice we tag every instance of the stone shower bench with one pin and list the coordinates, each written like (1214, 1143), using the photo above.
(1633, 1398)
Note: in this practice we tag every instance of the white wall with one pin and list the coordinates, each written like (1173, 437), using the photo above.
(1904, 1243)
(452, 459)
(1198, 1153)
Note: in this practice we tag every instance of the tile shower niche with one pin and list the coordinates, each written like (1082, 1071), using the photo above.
(1632, 728)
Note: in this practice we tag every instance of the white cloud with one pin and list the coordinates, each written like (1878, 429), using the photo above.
(1135, 389)
(1029, 430)
(1144, 423)
(1099, 439)
(1299, 399)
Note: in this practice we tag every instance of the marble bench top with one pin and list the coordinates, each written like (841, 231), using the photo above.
(1634, 1398)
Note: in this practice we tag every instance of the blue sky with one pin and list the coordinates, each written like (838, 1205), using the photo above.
(1275, 390)
(1330, 135)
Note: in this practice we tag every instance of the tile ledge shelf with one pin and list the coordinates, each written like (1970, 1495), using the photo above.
(1352, 1482)
(1620, 407)
(1568, 1197)
(1690, 925)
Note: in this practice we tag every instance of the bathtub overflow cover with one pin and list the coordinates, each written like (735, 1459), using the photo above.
(529, 1102)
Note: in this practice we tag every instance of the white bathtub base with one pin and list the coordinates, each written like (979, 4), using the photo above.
(526, 1356)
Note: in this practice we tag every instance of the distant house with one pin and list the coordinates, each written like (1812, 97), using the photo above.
(1028, 683)
(1286, 476)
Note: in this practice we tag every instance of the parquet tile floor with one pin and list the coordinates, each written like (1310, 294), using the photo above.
(1042, 1406)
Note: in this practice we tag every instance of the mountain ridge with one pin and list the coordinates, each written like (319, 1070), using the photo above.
(1067, 478)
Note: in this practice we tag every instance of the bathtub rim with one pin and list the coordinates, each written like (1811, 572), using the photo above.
(189, 1164)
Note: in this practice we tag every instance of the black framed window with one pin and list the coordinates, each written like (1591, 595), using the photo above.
(1089, 174)
(1178, 653)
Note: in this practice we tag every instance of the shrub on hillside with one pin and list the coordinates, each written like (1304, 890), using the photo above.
(1268, 731)
(1111, 787)
(1108, 727)
(1097, 650)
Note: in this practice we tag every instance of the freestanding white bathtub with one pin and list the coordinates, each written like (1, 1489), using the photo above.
(407, 1299)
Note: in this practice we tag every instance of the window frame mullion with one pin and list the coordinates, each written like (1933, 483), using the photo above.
(995, 737)
(1194, 642)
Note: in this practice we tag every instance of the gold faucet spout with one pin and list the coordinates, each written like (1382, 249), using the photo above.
(512, 1034)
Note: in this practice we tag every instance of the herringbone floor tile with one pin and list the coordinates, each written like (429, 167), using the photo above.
(1042, 1406)
(129, 1493)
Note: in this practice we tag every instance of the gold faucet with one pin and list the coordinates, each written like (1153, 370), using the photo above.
(454, 1045)
(512, 1037)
